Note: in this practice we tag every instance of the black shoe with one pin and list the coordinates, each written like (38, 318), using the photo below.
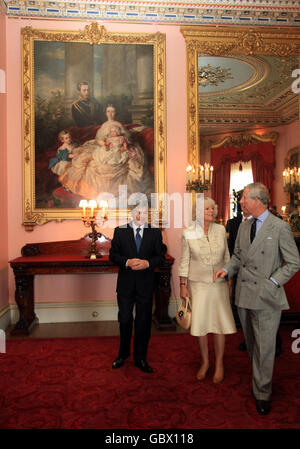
(118, 363)
(243, 346)
(263, 407)
(143, 365)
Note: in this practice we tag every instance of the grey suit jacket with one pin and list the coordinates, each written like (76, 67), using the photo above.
(274, 253)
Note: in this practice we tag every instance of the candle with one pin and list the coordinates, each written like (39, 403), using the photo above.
(194, 171)
(206, 171)
(283, 209)
(284, 178)
(202, 174)
(92, 206)
(103, 205)
(84, 205)
(211, 173)
(189, 174)
(292, 176)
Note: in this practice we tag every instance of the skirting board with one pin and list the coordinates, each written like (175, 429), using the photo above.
(5, 318)
(76, 312)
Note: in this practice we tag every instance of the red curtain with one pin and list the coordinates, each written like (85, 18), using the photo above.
(262, 157)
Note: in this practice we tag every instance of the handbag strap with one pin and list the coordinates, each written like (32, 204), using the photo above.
(187, 303)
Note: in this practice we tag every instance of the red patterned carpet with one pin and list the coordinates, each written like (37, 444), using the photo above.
(69, 384)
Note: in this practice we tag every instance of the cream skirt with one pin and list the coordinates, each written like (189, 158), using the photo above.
(211, 308)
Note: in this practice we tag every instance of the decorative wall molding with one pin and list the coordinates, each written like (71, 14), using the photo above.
(231, 12)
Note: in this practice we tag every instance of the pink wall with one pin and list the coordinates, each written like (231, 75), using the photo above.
(77, 288)
(100, 287)
(3, 173)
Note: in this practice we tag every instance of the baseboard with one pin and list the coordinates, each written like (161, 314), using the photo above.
(72, 312)
(76, 312)
(5, 318)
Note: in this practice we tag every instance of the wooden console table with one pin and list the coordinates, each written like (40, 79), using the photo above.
(68, 257)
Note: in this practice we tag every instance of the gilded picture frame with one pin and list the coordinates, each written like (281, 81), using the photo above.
(223, 41)
(125, 71)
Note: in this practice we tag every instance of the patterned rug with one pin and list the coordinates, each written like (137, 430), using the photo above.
(69, 384)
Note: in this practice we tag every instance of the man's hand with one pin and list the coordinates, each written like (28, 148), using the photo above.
(137, 264)
(219, 274)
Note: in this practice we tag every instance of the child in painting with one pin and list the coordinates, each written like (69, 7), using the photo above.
(118, 144)
(64, 154)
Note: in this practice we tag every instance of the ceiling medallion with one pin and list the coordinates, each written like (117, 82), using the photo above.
(208, 75)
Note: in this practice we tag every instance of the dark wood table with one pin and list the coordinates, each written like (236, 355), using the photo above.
(69, 257)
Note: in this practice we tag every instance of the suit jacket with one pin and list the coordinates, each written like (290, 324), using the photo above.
(200, 259)
(123, 247)
(272, 253)
(232, 227)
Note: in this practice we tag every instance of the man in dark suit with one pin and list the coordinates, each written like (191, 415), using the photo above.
(137, 249)
(232, 227)
(86, 110)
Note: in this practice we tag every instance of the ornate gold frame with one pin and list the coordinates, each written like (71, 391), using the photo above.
(92, 34)
(221, 41)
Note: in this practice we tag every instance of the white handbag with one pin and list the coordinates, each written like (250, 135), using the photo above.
(184, 314)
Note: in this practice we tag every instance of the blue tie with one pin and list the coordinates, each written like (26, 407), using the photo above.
(138, 239)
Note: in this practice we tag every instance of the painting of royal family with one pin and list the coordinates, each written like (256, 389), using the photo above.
(94, 121)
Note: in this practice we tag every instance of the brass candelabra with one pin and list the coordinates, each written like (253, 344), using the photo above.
(199, 178)
(291, 180)
(94, 214)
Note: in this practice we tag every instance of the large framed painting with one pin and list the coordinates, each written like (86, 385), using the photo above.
(93, 121)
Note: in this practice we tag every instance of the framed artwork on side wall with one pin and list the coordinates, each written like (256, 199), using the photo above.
(93, 120)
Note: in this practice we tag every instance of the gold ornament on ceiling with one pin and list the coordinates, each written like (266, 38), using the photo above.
(208, 75)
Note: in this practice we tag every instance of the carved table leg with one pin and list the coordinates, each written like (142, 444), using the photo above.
(24, 296)
(162, 294)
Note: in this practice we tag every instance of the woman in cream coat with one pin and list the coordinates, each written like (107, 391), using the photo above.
(204, 252)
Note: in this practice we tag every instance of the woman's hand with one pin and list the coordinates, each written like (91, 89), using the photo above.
(184, 292)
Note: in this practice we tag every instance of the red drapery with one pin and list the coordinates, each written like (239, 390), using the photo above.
(262, 157)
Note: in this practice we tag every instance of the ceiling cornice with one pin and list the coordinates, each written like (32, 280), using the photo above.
(229, 12)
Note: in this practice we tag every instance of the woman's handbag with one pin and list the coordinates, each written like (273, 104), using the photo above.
(184, 314)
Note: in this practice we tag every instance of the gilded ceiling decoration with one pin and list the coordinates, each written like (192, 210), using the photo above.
(229, 12)
(257, 92)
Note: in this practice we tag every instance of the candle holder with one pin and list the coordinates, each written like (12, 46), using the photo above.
(199, 179)
(90, 218)
(291, 180)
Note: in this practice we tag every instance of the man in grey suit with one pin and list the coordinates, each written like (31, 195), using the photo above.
(265, 258)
